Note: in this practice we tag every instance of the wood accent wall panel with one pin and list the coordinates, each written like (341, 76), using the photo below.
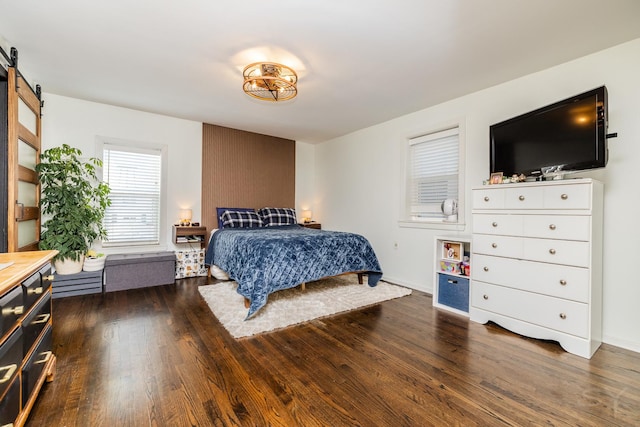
(245, 169)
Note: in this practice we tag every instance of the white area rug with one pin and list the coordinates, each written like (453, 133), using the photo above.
(292, 306)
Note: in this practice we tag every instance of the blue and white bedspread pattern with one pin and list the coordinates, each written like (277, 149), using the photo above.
(265, 260)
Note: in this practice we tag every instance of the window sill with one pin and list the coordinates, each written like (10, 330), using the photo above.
(432, 225)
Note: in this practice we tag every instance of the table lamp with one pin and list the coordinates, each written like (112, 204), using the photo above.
(185, 216)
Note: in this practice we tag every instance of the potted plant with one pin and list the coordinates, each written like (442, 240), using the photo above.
(75, 201)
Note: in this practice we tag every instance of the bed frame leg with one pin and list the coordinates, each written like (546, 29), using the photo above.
(247, 303)
(303, 286)
(360, 278)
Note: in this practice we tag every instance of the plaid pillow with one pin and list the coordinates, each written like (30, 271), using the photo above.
(239, 219)
(220, 211)
(278, 216)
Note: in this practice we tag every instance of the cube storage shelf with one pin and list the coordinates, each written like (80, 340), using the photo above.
(451, 281)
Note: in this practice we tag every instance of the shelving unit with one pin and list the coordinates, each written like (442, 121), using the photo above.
(451, 281)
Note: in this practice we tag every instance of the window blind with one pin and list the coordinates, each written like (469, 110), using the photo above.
(134, 176)
(433, 169)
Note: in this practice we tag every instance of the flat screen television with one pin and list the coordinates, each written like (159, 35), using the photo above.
(571, 133)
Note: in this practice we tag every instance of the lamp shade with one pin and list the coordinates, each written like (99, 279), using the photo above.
(185, 214)
(307, 215)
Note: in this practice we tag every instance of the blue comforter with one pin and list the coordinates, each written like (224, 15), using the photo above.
(265, 260)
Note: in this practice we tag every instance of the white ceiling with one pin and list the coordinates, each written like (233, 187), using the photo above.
(359, 62)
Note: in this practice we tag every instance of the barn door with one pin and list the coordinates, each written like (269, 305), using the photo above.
(23, 188)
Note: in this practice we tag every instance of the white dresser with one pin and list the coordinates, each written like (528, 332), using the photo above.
(537, 260)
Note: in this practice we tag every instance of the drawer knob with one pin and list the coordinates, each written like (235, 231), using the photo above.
(18, 310)
(521, 198)
(552, 226)
(486, 269)
(552, 251)
(564, 196)
(494, 245)
(563, 282)
(494, 224)
(563, 316)
(485, 296)
(486, 198)
(35, 291)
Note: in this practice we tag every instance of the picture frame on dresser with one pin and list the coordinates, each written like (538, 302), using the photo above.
(496, 178)
(452, 251)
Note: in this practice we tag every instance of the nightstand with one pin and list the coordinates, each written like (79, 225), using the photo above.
(315, 225)
(189, 234)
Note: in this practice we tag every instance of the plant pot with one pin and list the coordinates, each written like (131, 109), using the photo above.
(94, 264)
(68, 266)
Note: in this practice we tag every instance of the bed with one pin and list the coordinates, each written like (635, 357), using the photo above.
(263, 260)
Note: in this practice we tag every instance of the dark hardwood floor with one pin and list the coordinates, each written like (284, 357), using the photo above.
(158, 357)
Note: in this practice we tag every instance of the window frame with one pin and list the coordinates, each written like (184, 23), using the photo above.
(133, 146)
(406, 219)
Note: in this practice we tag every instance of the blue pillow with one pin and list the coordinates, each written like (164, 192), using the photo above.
(277, 216)
(238, 219)
(220, 211)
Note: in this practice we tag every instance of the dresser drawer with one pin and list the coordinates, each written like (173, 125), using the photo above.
(34, 287)
(506, 225)
(488, 198)
(35, 322)
(557, 251)
(561, 315)
(34, 367)
(10, 404)
(11, 308)
(497, 245)
(10, 359)
(575, 196)
(524, 198)
(46, 275)
(453, 291)
(570, 227)
(556, 280)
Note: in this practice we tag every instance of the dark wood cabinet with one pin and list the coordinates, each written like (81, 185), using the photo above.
(26, 349)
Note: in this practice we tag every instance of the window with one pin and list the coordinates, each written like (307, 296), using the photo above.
(433, 174)
(134, 175)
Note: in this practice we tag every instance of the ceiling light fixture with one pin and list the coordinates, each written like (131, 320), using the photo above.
(269, 81)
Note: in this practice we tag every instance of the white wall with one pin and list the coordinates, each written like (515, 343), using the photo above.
(358, 176)
(78, 123)
(305, 178)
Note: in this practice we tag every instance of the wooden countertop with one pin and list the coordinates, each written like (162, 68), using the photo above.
(24, 263)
